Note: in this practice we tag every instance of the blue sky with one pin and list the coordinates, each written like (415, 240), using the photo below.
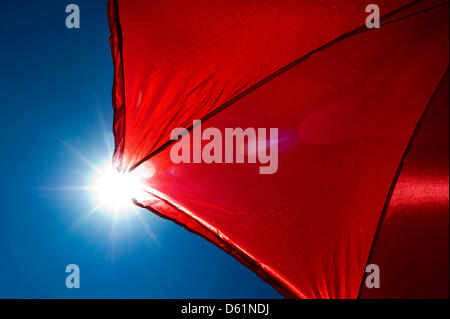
(55, 97)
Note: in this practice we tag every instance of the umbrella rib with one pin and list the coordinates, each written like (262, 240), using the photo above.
(289, 66)
(397, 175)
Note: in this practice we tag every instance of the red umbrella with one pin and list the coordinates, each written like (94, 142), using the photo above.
(359, 172)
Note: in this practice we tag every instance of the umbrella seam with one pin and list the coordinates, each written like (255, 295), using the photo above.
(273, 75)
(396, 177)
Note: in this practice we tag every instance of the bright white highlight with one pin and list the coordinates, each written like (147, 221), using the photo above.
(114, 191)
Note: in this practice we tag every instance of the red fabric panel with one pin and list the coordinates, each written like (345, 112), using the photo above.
(412, 246)
(345, 116)
(118, 94)
(183, 59)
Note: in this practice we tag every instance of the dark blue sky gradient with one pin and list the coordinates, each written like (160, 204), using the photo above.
(55, 93)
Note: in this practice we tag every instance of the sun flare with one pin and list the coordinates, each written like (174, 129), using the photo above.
(114, 191)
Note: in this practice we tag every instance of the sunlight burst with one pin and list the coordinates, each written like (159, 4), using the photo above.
(114, 191)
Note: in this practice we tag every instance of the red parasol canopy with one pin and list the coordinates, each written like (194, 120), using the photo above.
(362, 119)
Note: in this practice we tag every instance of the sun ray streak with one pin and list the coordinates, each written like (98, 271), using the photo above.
(112, 194)
(79, 155)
